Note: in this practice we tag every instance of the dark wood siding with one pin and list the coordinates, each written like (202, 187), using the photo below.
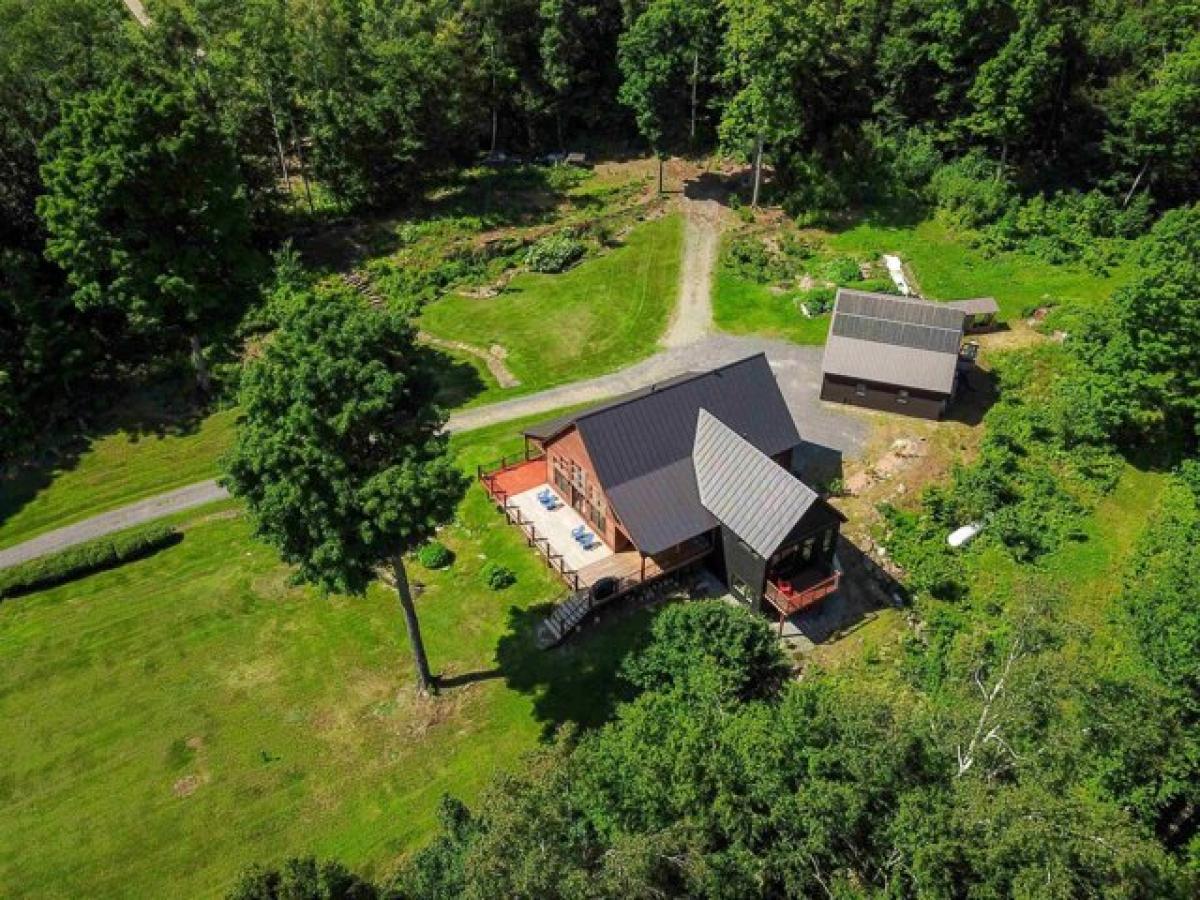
(887, 397)
(745, 570)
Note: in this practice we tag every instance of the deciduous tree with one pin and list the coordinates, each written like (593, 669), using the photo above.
(145, 212)
(339, 454)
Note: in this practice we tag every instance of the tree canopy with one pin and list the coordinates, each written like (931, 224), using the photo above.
(339, 455)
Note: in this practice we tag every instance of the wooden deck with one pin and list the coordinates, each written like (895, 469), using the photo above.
(805, 590)
(627, 564)
(517, 479)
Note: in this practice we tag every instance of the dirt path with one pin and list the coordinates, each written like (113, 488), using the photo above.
(493, 358)
(693, 317)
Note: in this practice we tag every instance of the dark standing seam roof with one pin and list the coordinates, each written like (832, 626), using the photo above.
(894, 340)
(756, 498)
(976, 306)
(641, 445)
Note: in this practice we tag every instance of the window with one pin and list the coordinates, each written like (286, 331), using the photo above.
(902, 397)
(860, 390)
(597, 517)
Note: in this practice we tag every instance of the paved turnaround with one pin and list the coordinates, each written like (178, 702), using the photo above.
(797, 368)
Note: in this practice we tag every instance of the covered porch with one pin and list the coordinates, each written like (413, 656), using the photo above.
(630, 568)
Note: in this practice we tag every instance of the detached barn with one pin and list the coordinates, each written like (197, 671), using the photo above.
(899, 354)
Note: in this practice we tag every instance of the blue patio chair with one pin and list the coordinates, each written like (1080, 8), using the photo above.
(588, 542)
(545, 494)
(578, 531)
(550, 502)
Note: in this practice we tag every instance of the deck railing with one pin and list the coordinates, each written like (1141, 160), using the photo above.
(788, 603)
(533, 538)
(572, 610)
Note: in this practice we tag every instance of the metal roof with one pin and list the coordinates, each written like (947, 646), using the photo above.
(641, 444)
(756, 498)
(976, 306)
(894, 340)
(664, 505)
(552, 427)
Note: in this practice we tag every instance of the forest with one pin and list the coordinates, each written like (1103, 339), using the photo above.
(148, 173)
(156, 178)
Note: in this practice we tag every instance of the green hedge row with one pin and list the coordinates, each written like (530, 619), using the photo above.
(94, 556)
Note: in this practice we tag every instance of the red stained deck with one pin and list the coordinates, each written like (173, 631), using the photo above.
(517, 479)
(807, 589)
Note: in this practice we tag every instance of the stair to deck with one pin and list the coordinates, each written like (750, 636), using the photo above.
(564, 618)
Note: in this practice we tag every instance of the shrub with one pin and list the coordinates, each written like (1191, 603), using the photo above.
(841, 270)
(302, 879)
(498, 577)
(554, 253)
(689, 639)
(435, 555)
(817, 300)
(878, 286)
(968, 191)
(749, 257)
(94, 556)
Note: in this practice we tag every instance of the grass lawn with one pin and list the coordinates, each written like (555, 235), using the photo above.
(605, 313)
(172, 720)
(947, 268)
(121, 467)
(742, 306)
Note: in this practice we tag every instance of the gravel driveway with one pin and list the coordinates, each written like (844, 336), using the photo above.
(797, 368)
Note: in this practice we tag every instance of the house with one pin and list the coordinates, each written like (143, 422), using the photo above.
(695, 470)
(900, 354)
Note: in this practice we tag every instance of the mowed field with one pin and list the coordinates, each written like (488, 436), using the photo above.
(121, 466)
(948, 268)
(168, 722)
(607, 312)
(945, 265)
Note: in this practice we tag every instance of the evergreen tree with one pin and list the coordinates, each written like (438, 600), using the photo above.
(339, 454)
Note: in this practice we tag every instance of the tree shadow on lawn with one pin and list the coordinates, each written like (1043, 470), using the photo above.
(458, 381)
(576, 682)
(164, 409)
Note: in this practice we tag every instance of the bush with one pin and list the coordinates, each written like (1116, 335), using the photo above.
(749, 257)
(841, 270)
(84, 559)
(435, 555)
(817, 300)
(968, 191)
(554, 253)
(498, 577)
(302, 879)
(1069, 227)
(689, 639)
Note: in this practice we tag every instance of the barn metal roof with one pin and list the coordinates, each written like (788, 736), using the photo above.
(894, 340)
(976, 306)
(756, 498)
(641, 444)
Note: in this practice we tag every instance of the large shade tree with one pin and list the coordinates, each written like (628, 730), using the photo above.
(664, 55)
(145, 210)
(339, 455)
